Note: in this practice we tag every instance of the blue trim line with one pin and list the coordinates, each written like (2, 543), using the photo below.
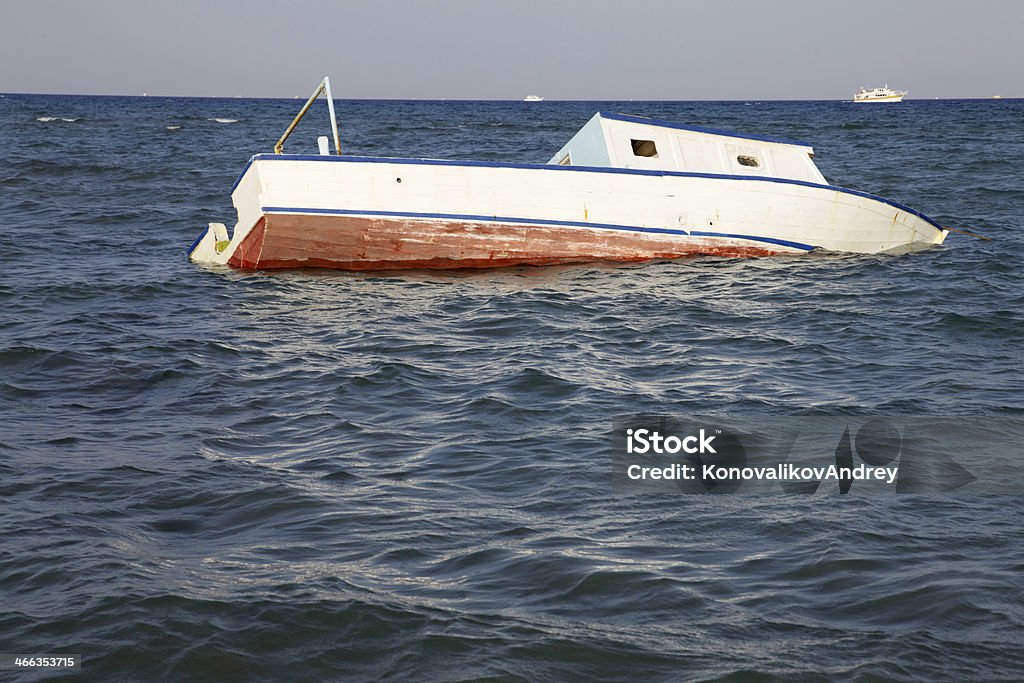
(700, 129)
(246, 168)
(198, 240)
(533, 221)
(580, 169)
(770, 240)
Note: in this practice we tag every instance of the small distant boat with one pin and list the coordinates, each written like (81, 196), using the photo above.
(533, 98)
(883, 94)
(997, 97)
(624, 188)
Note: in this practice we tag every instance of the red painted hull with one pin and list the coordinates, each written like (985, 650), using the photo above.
(368, 243)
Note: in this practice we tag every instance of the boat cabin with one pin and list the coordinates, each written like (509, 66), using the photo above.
(621, 141)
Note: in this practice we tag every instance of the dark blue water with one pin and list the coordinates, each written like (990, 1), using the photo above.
(307, 475)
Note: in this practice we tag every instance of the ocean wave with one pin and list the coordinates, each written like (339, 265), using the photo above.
(173, 127)
(48, 119)
(222, 120)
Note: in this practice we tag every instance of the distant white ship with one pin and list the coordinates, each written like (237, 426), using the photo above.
(533, 98)
(883, 94)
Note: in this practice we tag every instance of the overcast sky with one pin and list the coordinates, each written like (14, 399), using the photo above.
(507, 49)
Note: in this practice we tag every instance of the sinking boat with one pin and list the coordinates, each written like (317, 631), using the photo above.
(624, 188)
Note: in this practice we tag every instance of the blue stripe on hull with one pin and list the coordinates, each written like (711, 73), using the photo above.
(536, 221)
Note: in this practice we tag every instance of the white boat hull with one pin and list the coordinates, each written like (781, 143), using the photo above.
(368, 213)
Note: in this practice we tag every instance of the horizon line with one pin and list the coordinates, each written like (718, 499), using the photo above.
(497, 99)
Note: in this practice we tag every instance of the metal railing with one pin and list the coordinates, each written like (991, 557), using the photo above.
(325, 89)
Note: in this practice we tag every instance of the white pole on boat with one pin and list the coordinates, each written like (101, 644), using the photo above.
(330, 108)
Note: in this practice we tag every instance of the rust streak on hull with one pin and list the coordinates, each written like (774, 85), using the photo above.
(367, 243)
(247, 255)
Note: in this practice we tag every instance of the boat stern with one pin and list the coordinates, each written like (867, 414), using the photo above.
(211, 247)
(216, 246)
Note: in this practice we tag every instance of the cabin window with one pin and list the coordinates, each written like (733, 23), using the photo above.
(750, 161)
(566, 160)
(644, 148)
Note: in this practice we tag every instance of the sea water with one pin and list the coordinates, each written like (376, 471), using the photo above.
(307, 475)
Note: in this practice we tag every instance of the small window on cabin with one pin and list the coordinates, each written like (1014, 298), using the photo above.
(750, 161)
(566, 160)
(644, 148)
